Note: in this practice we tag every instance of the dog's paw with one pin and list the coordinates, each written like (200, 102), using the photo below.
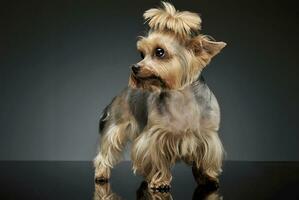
(160, 187)
(208, 183)
(101, 180)
(102, 175)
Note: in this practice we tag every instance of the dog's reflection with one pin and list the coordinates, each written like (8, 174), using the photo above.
(206, 192)
(103, 192)
(144, 193)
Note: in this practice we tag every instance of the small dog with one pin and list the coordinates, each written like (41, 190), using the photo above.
(167, 111)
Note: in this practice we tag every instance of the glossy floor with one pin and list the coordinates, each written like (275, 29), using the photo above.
(74, 180)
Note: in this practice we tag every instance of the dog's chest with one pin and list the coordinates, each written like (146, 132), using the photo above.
(174, 110)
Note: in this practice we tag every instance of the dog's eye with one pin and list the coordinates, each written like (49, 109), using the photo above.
(141, 55)
(159, 52)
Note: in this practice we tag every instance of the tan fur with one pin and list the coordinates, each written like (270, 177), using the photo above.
(114, 140)
(183, 63)
(178, 138)
(168, 18)
(167, 112)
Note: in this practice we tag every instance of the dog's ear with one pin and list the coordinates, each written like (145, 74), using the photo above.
(203, 46)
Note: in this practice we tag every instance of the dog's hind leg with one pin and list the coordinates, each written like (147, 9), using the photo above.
(112, 144)
(117, 126)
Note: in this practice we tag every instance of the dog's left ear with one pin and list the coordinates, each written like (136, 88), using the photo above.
(202, 46)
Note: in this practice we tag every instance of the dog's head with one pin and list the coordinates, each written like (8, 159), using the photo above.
(174, 52)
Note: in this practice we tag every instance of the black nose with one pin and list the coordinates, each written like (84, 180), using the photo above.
(135, 68)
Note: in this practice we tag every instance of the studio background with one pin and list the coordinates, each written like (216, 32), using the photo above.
(63, 61)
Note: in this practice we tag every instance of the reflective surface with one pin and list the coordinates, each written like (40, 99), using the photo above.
(74, 180)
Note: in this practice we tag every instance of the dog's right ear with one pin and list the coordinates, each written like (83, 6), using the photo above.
(204, 47)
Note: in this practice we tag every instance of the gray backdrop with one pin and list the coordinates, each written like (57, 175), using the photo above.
(63, 61)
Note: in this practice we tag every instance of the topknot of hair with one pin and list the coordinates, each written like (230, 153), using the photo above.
(182, 23)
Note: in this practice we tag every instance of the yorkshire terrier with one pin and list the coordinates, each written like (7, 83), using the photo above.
(167, 111)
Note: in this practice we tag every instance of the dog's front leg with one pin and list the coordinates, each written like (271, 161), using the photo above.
(153, 157)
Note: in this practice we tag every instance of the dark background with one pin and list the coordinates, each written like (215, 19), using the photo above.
(63, 61)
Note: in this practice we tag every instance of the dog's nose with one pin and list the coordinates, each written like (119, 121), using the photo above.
(135, 68)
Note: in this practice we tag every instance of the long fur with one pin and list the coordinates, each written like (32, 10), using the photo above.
(167, 111)
(168, 18)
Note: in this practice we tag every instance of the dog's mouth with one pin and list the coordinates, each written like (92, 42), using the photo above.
(153, 79)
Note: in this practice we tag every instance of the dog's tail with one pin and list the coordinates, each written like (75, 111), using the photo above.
(168, 18)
